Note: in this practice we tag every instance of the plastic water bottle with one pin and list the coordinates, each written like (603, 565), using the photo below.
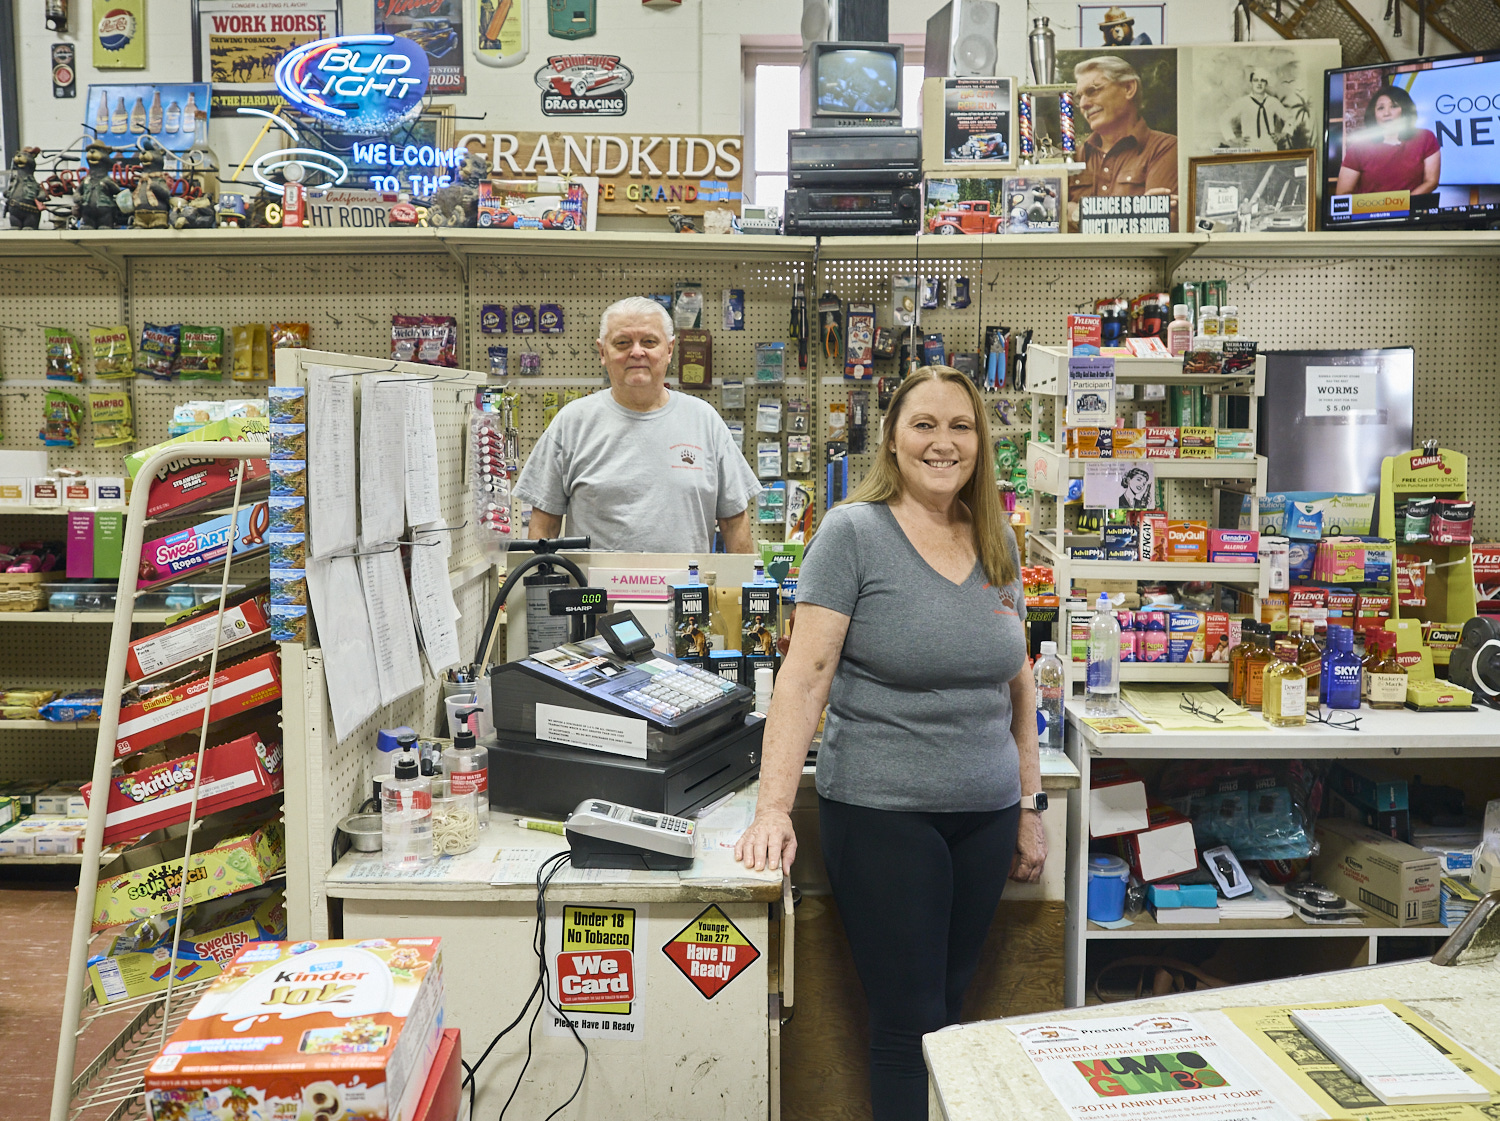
(1103, 696)
(406, 816)
(1048, 672)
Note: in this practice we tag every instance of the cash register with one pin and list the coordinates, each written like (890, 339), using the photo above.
(610, 716)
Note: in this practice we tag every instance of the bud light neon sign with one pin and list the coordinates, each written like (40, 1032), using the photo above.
(364, 84)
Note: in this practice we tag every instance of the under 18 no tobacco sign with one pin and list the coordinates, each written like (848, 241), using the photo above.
(598, 973)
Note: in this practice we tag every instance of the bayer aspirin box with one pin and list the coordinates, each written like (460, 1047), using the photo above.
(307, 1031)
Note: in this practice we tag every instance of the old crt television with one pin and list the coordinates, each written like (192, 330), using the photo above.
(1413, 143)
(847, 84)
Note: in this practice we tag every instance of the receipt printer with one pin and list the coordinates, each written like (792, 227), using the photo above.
(614, 717)
(607, 835)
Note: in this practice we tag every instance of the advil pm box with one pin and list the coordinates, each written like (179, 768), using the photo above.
(314, 1030)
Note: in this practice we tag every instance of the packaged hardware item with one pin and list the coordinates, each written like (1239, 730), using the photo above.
(200, 354)
(113, 355)
(235, 773)
(157, 354)
(185, 483)
(695, 358)
(110, 411)
(252, 360)
(214, 933)
(63, 360)
(62, 413)
(286, 336)
(178, 708)
(429, 339)
(186, 551)
(344, 1029)
(227, 858)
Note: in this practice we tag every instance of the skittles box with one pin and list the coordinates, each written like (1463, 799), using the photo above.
(337, 1030)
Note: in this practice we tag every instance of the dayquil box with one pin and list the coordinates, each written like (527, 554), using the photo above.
(341, 1030)
(1187, 541)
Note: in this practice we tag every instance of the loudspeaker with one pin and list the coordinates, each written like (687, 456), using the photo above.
(819, 21)
(963, 40)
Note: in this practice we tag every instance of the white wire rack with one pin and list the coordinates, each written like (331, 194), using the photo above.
(110, 1087)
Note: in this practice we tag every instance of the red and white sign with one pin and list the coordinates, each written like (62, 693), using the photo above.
(603, 977)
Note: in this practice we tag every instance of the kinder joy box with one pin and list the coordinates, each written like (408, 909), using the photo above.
(307, 1031)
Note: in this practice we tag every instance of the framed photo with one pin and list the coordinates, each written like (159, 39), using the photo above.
(1257, 192)
(237, 44)
(1034, 204)
(1122, 25)
(968, 125)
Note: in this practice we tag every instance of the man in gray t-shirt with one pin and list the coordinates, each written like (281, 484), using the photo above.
(639, 468)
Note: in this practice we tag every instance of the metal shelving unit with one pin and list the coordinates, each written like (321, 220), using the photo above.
(1381, 735)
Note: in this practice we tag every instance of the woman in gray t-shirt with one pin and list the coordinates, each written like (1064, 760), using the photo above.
(910, 628)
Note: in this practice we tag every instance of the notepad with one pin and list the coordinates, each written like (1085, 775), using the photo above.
(1394, 1062)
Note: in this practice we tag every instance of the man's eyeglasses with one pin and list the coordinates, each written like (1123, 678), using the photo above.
(1190, 706)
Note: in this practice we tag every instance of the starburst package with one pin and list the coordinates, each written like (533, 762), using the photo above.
(307, 1031)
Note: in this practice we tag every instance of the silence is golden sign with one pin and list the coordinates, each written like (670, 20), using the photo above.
(638, 173)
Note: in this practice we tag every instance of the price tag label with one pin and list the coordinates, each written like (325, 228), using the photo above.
(1341, 391)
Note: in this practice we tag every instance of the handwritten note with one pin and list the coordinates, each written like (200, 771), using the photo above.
(348, 647)
(330, 442)
(382, 459)
(398, 663)
(422, 501)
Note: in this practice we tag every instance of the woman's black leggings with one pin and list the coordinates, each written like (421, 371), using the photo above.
(917, 892)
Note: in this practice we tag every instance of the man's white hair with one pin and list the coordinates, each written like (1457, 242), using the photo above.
(1113, 67)
(634, 307)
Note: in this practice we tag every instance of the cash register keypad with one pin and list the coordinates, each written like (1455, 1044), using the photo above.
(671, 694)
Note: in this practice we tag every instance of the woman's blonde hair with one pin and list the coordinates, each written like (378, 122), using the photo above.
(993, 537)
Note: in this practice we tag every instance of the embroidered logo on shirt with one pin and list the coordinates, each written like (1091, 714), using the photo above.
(687, 456)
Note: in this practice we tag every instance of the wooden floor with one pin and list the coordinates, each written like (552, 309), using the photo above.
(824, 1067)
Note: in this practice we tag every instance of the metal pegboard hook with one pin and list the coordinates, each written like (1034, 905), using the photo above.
(8, 327)
(391, 369)
(337, 322)
(21, 393)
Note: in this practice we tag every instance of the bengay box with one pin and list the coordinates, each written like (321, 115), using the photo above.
(170, 712)
(341, 1029)
(193, 638)
(179, 554)
(234, 773)
(184, 483)
(1389, 878)
(216, 932)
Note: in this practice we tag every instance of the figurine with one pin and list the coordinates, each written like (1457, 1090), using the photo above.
(94, 204)
(152, 195)
(232, 210)
(23, 193)
(458, 203)
(196, 214)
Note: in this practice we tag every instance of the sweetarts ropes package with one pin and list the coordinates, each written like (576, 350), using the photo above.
(182, 553)
(307, 1031)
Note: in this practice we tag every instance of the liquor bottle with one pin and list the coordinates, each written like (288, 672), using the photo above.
(1284, 686)
(1237, 654)
(1256, 661)
(1387, 675)
(1310, 658)
(1341, 670)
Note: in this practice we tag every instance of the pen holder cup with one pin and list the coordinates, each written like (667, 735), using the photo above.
(464, 697)
(1107, 879)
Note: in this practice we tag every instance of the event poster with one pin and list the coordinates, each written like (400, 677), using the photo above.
(1125, 124)
(239, 42)
(1152, 1068)
(978, 122)
(1091, 391)
(437, 27)
(1341, 1097)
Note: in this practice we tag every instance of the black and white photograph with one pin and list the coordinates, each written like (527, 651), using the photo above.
(1253, 97)
(1122, 25)
(1119, 485)
(1254, 193)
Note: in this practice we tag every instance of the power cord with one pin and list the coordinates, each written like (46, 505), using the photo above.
(544, 874)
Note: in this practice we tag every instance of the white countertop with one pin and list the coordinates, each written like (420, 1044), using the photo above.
(980, 1072)
(1397, 731)
(714, 877)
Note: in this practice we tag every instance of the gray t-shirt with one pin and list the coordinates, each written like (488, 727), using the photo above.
(919, 711)
(639, 482)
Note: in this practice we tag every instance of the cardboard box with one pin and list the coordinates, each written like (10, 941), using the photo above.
(80, 545)
(170, 558)
(216, 933)
(193, 638)
(20, 838)
(109, 543)
(238, 688)
(1391, 823)
(184, 484)
(1234, 443)
(62, 837)
(1395, 881)
(760, 618)
(1187, 541)
(1165, 848)
(690, 620)
(1117, 800)
(1161, 437)
(1162, 453)
(1367, 785)
(1198, 437)
(63, 799)
(441, 1096)
(234, 773)
(343, 1029)
(1234, 545)
(146, 880)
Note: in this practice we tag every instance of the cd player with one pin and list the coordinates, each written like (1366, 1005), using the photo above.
(852, 211)
(872, 155)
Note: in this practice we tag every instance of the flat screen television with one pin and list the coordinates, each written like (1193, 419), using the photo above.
(1414, 143)
(852, 84)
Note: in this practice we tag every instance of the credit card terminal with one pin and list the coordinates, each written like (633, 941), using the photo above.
(608, 835)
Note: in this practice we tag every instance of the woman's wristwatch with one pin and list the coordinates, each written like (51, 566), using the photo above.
(1037, 802)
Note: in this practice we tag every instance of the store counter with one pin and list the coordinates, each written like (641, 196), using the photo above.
(978, 1072)
(687, 960)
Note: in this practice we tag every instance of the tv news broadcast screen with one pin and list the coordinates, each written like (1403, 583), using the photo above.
(1413, 143)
